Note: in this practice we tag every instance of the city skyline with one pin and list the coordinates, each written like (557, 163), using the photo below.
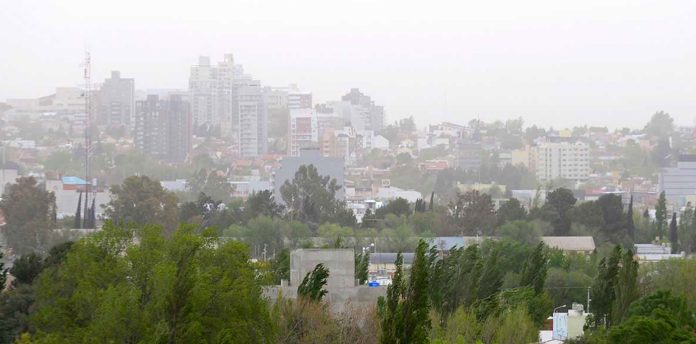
(606, 64)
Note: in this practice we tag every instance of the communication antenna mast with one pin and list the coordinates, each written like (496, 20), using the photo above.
(88, 136)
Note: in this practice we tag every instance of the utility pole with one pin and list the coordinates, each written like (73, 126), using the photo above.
(588, 299)
(88, 134)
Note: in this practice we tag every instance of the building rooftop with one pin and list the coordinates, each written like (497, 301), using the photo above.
(570, 243)
(72, 180)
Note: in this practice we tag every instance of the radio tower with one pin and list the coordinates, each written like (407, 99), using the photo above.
(88, 138)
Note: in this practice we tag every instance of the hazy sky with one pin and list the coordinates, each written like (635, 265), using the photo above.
(560, 63)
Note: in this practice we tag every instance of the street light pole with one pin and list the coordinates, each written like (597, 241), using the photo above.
(554, 310)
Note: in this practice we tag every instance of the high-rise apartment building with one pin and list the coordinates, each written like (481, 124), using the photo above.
(365, 114)
(303, 131)
(213, 91)
(562, 160)
(163, 127)
(252, 129)
(116, 101)
(299, 100)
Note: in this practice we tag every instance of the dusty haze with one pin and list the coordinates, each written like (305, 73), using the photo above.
(553, 62)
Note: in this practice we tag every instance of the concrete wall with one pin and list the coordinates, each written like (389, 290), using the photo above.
(340, 262)
(338, 299)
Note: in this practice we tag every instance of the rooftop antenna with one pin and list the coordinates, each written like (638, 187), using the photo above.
(88, 135)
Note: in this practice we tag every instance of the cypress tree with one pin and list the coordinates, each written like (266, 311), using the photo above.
(432, 196)
(630, 225)
(3, 272)
(661, 214)
(391, 315)
(416, 308)
(78, 213)
(674, 234)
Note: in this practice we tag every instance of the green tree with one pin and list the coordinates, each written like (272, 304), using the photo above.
(212, 183)
(626, 287)
(398, 207)
(511, 210)
(26, 268)
(472, 213)
(614, 219)
(141, 201)
(312, 286)
(525, 232)
(262, 203)
(674, 234)
(604, 286)
(535, 269)
(188, 288)
(657, 318)
(455, 278)
(661, 125)
(661, 214)
(362, 267)
(416, 306)
(561, 201)
(29, 215)
(311, 198)
(3, 272)
(630, 224)
(390, 309)
(491, 276)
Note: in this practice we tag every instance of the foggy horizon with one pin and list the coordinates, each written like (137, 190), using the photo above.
(555, 65)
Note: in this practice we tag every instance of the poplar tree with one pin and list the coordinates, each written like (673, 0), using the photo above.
(626, 287)
(674, 234)
(630, 225)
(312, 286)
(661, 214)
(535, 268)
(416, 308)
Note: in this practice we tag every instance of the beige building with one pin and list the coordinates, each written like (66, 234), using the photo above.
(562, 160)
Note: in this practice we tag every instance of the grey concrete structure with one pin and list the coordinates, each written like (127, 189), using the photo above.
(333, 167)
(116, 101)
(679, 183)
(341, 285)
(340, 263)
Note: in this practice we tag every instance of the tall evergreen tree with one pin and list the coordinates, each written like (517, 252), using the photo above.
(603, 288)
(661, 214)
(535, 268)
(312, 286)
(674, 234)
(630, 225)
(78, 213)
(419, 206)
(560, 202)
(626, 287)
(362, 267)
(491, 277)
(3, 272)
(392, 324)
(432, 201)
(416, 308)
